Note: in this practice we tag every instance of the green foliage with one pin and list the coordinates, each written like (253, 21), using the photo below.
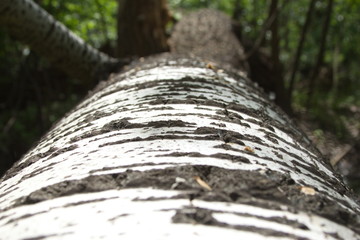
(92, 20)
(338, 83)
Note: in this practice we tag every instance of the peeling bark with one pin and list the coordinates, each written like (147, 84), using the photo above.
(32, 25)
(173, 149)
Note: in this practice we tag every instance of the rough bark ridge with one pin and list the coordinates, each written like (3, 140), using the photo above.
(173, 149)
(141, 27)
(32, 25)
(208, 34)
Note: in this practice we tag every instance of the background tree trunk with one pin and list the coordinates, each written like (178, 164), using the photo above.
(32, 25)
(300, 47)
(142, 27)
(172, 149)
(281, 96)
(320, 56)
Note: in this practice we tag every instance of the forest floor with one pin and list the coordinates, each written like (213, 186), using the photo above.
(343, 154)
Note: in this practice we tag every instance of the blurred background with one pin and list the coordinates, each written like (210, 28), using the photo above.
(312, 46)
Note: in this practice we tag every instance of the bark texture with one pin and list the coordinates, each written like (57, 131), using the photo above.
(172, 149)
(142, 27)
(208, 34)
(32, 25)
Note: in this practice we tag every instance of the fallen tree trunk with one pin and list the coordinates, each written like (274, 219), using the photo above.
(174, 148)
(32, 25)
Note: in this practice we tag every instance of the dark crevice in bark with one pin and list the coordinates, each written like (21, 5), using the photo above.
(194, 215)
(50, 31)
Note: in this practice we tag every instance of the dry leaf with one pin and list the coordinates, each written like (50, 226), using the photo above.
(210, 65)
(249, 149)
(202, 183)
(307, 190)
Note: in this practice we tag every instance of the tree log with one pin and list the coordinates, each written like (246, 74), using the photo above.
(208, 34)
(170, 149)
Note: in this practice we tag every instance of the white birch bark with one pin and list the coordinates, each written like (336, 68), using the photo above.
(32, 25)
(171, 149)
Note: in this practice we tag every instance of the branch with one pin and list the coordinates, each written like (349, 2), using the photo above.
(30, 24)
